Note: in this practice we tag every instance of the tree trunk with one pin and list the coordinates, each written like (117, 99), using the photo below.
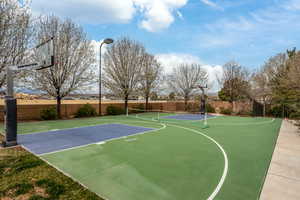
(264, 109)
(185, 103)
(58, 106)
(126, 103)
(147, 102)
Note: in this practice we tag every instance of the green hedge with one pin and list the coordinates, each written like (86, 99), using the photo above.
(49, 114)
(226, 111)
(86, 111)
(210, 108)
(114, 110)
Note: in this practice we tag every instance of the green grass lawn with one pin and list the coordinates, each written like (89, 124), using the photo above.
(172, 162)
(25, 176)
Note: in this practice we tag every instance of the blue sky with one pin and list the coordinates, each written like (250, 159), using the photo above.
(211, 32)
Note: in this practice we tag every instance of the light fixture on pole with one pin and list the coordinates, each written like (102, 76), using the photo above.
(106, 41)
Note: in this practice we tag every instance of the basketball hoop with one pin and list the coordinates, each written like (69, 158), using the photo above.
(45, 59)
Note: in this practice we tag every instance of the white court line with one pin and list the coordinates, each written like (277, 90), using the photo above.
(64, 173)
(243, 124)
(105, 141)
(131, 139)
(225, 171)
(223, 177)
(109, 122)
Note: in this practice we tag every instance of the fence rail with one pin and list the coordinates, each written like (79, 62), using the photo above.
(33, 111)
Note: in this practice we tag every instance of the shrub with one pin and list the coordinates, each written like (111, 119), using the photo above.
(210, 108)
(114, 110)
(86, 111)
(276, 111)
(49, 114)
(295, 115)
(190, 107)
(226, 111)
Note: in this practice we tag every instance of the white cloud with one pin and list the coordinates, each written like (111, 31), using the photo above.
(96, 46)
(156, 14)
(88, 11)
(169, 61)
(212, 4)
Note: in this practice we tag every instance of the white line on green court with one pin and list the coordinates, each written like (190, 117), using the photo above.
(103, 142)
(223, 177)
(109, 121)
(244, 124)
(63, 172)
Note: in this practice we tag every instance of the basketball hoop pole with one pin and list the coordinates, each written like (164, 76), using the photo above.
(10, 115)
(203, 102)
(203, 105)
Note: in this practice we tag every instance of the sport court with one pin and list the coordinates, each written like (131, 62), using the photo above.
(187, 116)
(143, 156)
(46, 142)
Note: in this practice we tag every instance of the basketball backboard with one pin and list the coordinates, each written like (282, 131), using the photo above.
(44, 57)
(45, 54)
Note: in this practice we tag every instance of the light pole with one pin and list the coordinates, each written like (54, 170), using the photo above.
(106, 41)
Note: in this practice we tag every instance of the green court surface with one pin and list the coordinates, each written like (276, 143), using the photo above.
(176, 160)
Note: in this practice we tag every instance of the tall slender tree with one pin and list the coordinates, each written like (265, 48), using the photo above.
(185, 79)
(122, 70)
(150, 76)
(74, 59)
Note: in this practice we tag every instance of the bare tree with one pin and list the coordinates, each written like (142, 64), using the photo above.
(235, 82)
(123, 64)
(74, 59)
(185, 79)
(261, 90)
(15, 32)
(150, 76)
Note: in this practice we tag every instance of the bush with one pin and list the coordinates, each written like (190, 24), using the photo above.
(49, 114)
(226, 111)
(86, 111)
(295, 115)
(114, 110)
(210, 108)
(276, 111)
